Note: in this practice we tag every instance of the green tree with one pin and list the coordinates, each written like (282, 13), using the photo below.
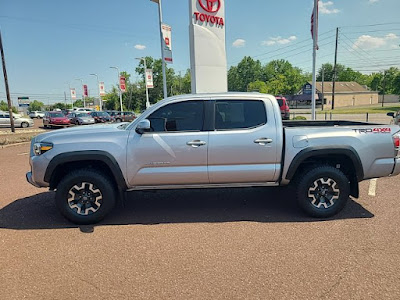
(258, 86)
(36, 105)
(248, 70)
(283, 78)
(4, 107)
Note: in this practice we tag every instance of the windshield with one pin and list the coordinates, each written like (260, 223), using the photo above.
(84, 115)
(102, 114)
(57, 115)
(280, 102)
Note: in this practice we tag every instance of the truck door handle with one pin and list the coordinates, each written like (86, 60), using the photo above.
(196, 143)
(263, 141)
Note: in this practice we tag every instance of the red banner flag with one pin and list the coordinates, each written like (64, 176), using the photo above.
(85, 91)
(122, 84)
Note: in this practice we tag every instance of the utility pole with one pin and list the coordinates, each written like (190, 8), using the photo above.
(6, 84)
(334, 70)
(322, 90)
(65, 99)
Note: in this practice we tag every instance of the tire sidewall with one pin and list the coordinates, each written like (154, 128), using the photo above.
(307, 181)
(100, 181)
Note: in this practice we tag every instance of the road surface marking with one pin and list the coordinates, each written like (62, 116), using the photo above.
(24, 153)
(372, 187)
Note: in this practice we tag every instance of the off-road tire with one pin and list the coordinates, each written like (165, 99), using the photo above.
(92, 181)
(322, 191)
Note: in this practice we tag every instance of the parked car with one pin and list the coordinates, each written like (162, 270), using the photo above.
(395, 116)
(80, 118)
(284, 107)
(227, 140)
(82, 109)
(112, 114)
(126, 116)
(55, 119)
(36, 114)
(18, 121)
(100, 116)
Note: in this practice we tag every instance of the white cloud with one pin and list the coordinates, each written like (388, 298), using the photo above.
(239, 43)
(373, 1)
(326, 8)
(279, 40)
(373, 42)
(140, 47)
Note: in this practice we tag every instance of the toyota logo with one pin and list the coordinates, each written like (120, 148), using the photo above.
(209, 5)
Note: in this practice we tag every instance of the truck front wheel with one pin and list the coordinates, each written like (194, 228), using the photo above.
(323, 191)
(85, 196)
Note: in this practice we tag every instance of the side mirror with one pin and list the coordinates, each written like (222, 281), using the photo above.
(143, 126)
(390, 114)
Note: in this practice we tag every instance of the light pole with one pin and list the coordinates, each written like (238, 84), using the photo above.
(98, 87)
(119, 88)
(83, 93)
(145, 81)
(162, 48)
(70, 96)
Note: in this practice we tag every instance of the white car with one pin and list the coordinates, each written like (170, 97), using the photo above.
(36, 114)
(18, 121)
(81, 109)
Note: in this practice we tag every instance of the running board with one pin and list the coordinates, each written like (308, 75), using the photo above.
(202, 186)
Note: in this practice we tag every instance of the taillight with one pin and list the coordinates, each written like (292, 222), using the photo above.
(396, 141)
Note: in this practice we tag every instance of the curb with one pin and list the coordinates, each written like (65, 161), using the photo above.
(16, 144)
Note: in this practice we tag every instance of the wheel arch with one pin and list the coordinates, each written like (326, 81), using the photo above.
(63, 163)
(346, 157)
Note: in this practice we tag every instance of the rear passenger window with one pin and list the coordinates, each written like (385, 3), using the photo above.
(239, 114)
(182, 116)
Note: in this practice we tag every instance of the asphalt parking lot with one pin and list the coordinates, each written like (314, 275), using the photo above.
(249, 243)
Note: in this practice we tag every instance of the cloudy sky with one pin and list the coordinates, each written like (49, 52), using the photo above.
(49, 44)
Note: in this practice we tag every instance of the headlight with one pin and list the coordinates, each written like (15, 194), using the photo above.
(40, 148)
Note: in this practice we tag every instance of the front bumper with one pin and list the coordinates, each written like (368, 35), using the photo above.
(30, 180)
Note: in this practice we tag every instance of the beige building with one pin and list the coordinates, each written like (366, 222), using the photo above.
(346, 93)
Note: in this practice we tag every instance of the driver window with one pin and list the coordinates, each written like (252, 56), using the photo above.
(181, 116)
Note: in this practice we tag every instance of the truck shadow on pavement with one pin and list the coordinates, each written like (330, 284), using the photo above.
(269, 205)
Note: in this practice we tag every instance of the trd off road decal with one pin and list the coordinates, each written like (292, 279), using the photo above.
(373, 130)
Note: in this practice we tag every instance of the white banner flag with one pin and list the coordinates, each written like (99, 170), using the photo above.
(149, 78)
(167, 45)
(101, 88)
(73, 93)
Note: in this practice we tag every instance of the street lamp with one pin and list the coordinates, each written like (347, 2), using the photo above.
(162, 47)
(119, 88)
(83, 93)
(145, 81)
(98, 87)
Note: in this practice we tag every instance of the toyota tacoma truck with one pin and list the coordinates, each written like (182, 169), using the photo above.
(211, 140)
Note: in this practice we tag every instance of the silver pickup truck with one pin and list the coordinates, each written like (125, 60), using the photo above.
(212, 140)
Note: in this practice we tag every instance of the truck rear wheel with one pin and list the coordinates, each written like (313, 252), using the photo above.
(323, 191)
(85, 196)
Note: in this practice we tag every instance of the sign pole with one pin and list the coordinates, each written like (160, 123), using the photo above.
(145, 83)
(315, 32)
(6, 84)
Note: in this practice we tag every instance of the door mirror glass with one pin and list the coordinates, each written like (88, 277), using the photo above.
(143, 126)
(390, 114)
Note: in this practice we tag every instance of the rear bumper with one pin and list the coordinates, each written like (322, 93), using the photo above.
(396, 169)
